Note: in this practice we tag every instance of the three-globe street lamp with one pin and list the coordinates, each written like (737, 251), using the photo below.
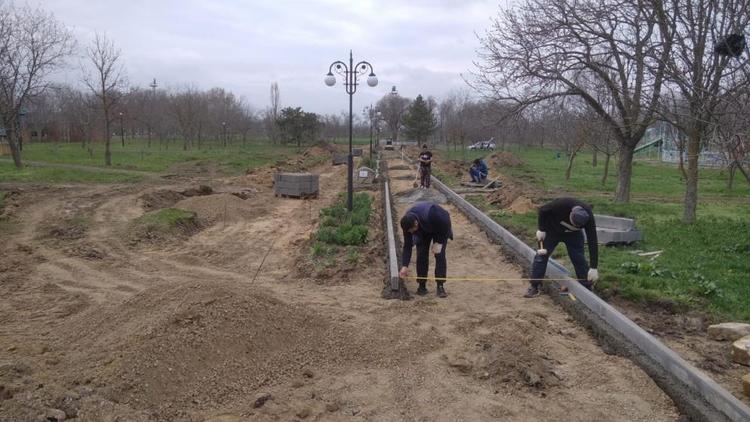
(351, 76)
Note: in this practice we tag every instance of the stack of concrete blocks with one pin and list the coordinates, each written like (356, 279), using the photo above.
(296, 185)
(340, 159)
(616, 230)
(356, 152)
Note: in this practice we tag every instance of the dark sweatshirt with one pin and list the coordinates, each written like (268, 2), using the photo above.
(554, 217)
(433, 221)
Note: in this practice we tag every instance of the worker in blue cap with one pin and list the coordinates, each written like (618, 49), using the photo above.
(565, 220)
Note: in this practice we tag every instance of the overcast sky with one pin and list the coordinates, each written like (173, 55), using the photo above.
(421, 46)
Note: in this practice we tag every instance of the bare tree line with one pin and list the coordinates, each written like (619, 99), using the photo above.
(631, 62)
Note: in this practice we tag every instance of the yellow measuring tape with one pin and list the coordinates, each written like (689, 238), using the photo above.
(482, 279)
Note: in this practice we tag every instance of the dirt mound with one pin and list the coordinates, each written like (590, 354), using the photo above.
(521, 205)
(220, 207)
(504, 159)
(149, 229)
(158, 199)
(219, 343)
(509, 352)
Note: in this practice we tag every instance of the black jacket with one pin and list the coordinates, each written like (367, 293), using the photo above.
(433, 220)
(554, 217)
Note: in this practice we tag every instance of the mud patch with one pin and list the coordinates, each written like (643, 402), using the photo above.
(66, 229)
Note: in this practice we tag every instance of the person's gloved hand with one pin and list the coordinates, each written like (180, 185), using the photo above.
(540, 235)
(437, 248)
(404, 272)
(541, 251)
(593, 275)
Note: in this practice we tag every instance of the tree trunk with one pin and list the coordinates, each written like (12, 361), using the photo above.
(742, 170)
(15, 151)
(606, 169)
(570, 163)
(624, 174)
(593, 159)
(732, 169)
(681, 162)
(691, 185)
(107, 138)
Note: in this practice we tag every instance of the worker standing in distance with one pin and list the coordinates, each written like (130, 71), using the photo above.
(563, 220)
(422, 224)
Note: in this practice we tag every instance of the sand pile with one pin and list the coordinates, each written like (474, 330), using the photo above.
(174, 350)
(219, 207)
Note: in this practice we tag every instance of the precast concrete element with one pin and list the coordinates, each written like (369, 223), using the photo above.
(741, 351)
(696, 395)
(340, 159)
(728, 331)
(356, 152)
(297, 185)
(612, 230)
(392, 257)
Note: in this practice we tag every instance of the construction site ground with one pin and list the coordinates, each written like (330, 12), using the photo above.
(102, 324)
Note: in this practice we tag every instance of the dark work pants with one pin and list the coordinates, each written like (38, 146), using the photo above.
(574, 243)
(424, 176)
(423, 259)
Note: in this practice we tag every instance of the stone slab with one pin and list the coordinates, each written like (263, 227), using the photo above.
(746, 384)
(741, 351)
(728, 331)
(619, 223)
(356, 152)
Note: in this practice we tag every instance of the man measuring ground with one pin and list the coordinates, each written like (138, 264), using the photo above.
(422, 224)
(562, 220)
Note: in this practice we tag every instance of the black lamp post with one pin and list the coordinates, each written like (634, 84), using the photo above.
(122, 131)
(372, 114)
(351, 76)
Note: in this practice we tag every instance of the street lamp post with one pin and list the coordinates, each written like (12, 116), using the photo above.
(351, 76)
(371, 113)
(122, 131)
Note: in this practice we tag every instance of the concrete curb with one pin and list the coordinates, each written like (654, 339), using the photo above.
(695, 394)
(394, 288)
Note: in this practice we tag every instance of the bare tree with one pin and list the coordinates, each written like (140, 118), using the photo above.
(106, 82)
(545, 49)
(33, 44)
(700, 73)
(392, 108)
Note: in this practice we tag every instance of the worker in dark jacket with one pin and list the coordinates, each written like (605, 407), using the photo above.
(422, 224)
(563, 220)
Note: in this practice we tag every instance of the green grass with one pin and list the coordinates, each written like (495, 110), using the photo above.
(543, 169)
(136, 155)
(166, 220)
(703, 266)
(342, 231)
(9, 173)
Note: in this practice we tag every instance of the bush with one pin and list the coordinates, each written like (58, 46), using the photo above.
(340, 227)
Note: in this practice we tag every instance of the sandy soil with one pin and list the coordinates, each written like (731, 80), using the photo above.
(195, 329)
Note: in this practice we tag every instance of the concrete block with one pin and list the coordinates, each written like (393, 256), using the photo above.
(746, 384)
(728, 331)
(356, 152)
(741, 351)
(619, 223)
(296, 184)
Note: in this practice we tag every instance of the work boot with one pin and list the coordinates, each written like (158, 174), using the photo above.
(441, 290)
(533, 291)
(422, 289)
